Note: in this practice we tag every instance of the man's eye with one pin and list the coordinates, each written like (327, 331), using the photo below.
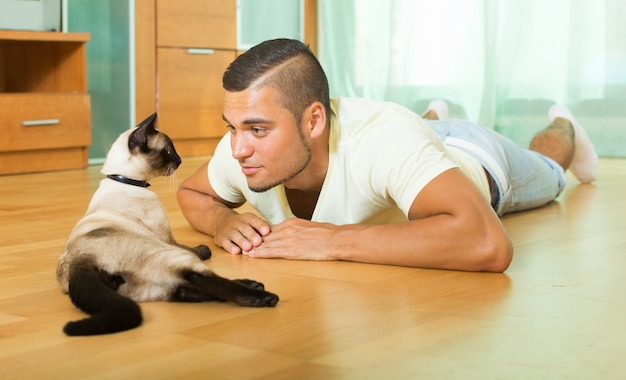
(230, 128)
(258, 131)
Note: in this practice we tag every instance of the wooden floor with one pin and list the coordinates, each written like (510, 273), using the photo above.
(558, 312)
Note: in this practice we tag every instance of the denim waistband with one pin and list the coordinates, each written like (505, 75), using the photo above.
(495, 194)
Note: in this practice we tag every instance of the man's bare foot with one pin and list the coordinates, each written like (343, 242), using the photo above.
(556, 142)
(436, 110)
(430, 115)
(584, 164)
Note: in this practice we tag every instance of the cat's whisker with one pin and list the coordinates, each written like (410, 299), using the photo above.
(173, 180)
(169, 177)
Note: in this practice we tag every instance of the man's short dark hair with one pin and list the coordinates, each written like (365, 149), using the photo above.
(289, 66)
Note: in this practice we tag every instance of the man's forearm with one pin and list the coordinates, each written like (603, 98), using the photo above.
(440, 242)
(203, 213)
(422, 243)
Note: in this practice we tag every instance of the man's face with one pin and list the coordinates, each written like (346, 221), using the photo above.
(264, 138)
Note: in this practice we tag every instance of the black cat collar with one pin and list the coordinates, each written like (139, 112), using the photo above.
(128, 181)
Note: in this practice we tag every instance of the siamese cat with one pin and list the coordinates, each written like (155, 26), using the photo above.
(122, 251)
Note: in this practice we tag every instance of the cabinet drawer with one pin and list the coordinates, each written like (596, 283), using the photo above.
(191, 97)
(197, 23)
(44, 121)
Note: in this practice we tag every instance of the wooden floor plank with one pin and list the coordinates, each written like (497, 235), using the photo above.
(557, 312)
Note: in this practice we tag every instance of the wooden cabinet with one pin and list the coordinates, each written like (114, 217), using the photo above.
(45, 112)
(196, 41)
(179, 68)
(190, 104)
(197, 23)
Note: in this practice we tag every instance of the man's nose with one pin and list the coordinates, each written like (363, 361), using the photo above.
(240, 146)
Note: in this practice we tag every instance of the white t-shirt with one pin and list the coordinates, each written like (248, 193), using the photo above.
(381, 156)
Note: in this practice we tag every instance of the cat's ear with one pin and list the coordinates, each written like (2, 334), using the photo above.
(149, 123)
(139, 137)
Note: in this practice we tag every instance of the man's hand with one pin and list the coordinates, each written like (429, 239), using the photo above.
(297, 239)
(241, 233)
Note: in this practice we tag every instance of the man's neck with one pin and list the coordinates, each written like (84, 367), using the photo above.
(302, 203)
(313, 176)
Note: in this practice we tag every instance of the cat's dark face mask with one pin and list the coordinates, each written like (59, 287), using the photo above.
(157, 148)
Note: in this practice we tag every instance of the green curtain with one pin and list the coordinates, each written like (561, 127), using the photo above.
(500, 63)
(253, 26)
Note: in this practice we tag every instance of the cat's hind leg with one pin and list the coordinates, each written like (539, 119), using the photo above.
(109, 311)
(247, 293)
(189, 294)
(251, 284)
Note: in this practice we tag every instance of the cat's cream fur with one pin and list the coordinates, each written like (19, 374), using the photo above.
(123, 246)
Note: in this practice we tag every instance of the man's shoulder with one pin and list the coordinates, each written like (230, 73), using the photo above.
(357, 112)
(345, 104)
(361, 118)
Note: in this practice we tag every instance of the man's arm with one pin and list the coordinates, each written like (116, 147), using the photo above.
(451, 226)
(210, 214)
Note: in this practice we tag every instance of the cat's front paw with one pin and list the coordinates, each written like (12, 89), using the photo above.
(202, 251)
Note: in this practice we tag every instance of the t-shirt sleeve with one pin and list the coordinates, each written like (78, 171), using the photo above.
(399, 174)
(225, 174)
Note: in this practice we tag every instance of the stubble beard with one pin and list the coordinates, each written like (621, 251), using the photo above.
(265, 187)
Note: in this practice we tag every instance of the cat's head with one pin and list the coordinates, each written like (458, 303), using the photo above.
(142, 153)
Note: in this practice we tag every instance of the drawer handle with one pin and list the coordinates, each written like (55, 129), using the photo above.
(200, 51)
(31, 123)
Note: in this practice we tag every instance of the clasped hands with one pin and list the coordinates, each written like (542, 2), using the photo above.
(296, 239)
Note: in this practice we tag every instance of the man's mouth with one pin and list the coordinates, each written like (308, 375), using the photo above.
(249, 170)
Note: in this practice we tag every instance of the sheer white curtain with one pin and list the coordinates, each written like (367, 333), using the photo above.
(501, 63)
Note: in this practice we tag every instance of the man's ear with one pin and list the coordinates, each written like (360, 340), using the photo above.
(317, 121)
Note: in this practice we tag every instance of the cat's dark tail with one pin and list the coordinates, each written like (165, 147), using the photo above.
(110, 312)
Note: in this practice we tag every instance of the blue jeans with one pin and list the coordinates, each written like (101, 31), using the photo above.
(523, 179)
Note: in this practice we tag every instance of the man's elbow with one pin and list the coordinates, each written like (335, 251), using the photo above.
(496, 253)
